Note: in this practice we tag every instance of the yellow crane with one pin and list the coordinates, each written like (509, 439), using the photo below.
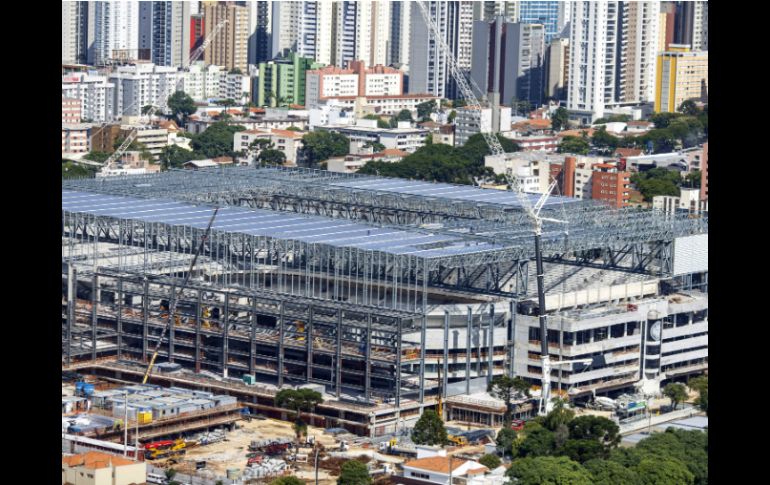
(172, 309)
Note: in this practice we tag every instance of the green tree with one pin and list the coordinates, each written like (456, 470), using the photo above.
(476, 148)
(661, 470)
(271, 156)
(321, 145)
(506, 388)
(676, 392)
(217, 140)
(688, 108)
(452, 115)
(170, 474)
(603, 140)
(605, 472)
(382, 123)
(425, 109)
(657, 181)
(548, 470)
(173, 156)
(692, 179)
(288, 480)
(354, 472)
(701, 385)
(573, 144)
(147, 108)
(583, 450)
(560, 119)
(687, 447)
(560, 414)
(538, 442)
(505, 440)
(376, 146)
(72, 170)
(429, 429)
(298, 400)
(404, 115)
(597, 428)
(662, 120)
(181, 106)
(97, 156)
(490, 461)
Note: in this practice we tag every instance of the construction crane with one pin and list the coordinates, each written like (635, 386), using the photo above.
(172, 308)
(197, 53)
(533, 212)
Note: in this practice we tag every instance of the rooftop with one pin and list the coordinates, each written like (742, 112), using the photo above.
(440, 464)
(95, 459)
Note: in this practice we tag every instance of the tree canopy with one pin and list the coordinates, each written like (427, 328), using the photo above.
(506, 388)
(657, 181)
(425, 108)
(429, 429)
(180, 103)
(605, 472)
(217, 140)
(560, 119)
(287, 480)
(573, 144)
(271, 156)
(490, 461)
(548, 470)
(676, 392)
(321, 145)
(353, 472)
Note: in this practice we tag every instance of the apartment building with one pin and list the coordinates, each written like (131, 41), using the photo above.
(230, 48)
(74, 26)
(282, 81)
(593, 178)
(610, 184)
(472, 121)
(261, 31)
(362, 31)
(197, 31)
(286, 141)
(141, 85)
(70, 110)
(97, 468)
(704, 170)
(641, 32)
(168, 25)
(682, 74)
(355, 81)
(303, 27)
(557, 62)
(95, 93)
(689, 200)
(75, 138)
(113, 32)
(402, 138)
(545, 13)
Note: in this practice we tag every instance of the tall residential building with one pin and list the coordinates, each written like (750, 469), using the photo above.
(487, 11)
(230, 46)
(206, 82)
(641, 38)
(594, 44)
(400, 23)
(682, 75)
(428, 71)
(545, 13)
(96, 95)
(197, 31)
(260, 31)
(141, 85)
(165, 29)
(692, 25)
(667, 25)
(557, 62)
(113, 31)
(361, 31)
(74, 24)
(303, 27)
(508, 60)
(282, 80)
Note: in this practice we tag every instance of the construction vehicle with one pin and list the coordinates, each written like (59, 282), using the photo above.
(172, 309)
(165, 449)
(532, 212)
(458, 440)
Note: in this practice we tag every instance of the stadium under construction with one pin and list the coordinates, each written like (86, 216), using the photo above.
(367, 285)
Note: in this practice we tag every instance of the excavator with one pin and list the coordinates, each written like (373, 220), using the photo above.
(165, 449)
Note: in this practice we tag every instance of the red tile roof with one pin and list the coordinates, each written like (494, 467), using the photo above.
(95, 459)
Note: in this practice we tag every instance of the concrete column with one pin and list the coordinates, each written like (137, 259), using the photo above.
(172, 303)
(338, 357)
(512, 339)
(445, 377)
(71, 297)
(253, 336)
(490, 355)
(225, 334)
(119, 316)
(145, 311)
(198, 318)
(309, 337)
(367, 363)
(398, 371)
(468, 348)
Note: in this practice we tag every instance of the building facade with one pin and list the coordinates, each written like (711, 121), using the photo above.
(282, 81)
(355, 81)
(557, 62)
(400, 25)
(641, 32)
(142, 85)
(303, 27)
(543, 13)
(362, 32)
(230, 48)
(75, 138)
(260, 31)
(169, 27)
(113, 32)
(428, 71)
(610, 184)
(96, 95)
(689, 200)
(404, 139)
(74, 25)
(472, 121)
(682, 75)
(704, 170)
(508, 59)
(70, 110)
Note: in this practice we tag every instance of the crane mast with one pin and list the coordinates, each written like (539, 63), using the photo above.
(533, 213)
(172, 306)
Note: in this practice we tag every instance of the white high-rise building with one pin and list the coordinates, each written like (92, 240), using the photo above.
(700, 26)
(428, 71)
(115, 31)
(165, 30)
(641, 28)
(142, 85)
(74, 22)
(206, 82)
(593, 58)
(362, 32)
(305, 27)
(95, 94)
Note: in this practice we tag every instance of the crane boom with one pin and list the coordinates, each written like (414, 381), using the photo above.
(496, 149)
(172, 307)
(193, 57)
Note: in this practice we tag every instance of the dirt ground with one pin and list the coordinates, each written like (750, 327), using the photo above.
(231, 453)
